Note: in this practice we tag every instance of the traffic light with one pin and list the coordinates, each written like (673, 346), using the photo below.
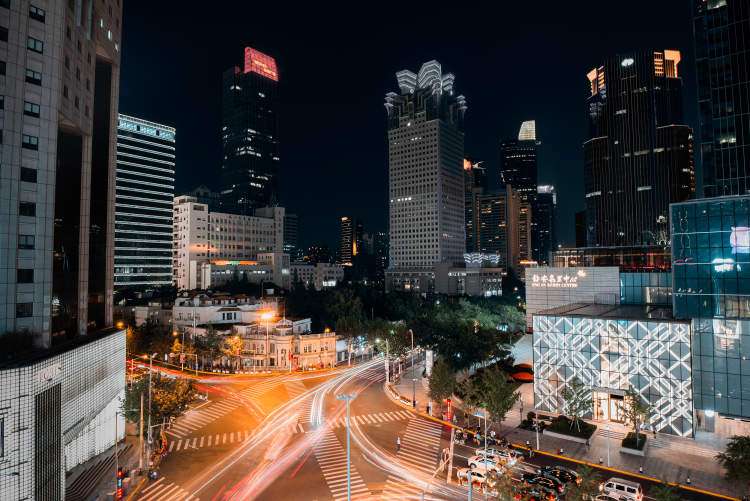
(119, 482)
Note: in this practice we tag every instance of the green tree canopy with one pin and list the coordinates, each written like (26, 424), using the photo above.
(636, 412)
(169, 397)
(588, 488)
(497, 395)
(442, 381)
(736, 460)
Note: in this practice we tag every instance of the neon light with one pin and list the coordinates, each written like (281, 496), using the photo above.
(234, 263)
(259, 63)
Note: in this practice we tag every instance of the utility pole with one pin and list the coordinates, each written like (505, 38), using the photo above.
(140, 438)
(150, 371)
(348, 397)
(414, 376)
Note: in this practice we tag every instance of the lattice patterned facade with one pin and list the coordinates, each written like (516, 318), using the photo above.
(612, 355)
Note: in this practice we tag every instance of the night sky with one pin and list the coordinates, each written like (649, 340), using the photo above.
(513, 61)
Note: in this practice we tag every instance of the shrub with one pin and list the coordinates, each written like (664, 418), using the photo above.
(629, 441)
(563, 425)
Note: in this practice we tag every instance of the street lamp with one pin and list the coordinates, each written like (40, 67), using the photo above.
(468, 477)
(266, 315)
(607, 445)
(348, 397)
(413, 375)
(150, 371)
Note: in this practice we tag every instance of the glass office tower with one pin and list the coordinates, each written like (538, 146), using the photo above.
(722, 56)
(143, 215)
(711, 270)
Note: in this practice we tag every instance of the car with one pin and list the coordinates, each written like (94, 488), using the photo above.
(622, 489)
(478, 477)
(535, 494)
(605, 497)
(561, 473)
(548, 483)
(501, 455)
(488, 463)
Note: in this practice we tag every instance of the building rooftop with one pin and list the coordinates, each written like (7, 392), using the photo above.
(612, 311)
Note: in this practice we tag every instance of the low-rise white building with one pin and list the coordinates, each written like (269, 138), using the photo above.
(285, 342)
(192, 310)
(320, 275)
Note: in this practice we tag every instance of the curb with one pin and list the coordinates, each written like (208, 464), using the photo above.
(396, 397)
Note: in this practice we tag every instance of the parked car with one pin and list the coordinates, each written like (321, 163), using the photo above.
(536, 494)
(548, 483)
(561, 473)
(622, 489)
(502, 455)
(478, 477)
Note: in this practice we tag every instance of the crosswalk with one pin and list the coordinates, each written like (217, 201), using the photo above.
(374, 418)
(161, 490)
(420, 450)
(200, 417)
(331, 457)
(212, 440)
(681, 448)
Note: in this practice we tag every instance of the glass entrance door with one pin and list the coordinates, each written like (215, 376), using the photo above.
(616, 408)
(601, 406)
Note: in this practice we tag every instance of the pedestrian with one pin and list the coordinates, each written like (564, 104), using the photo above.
(588, 445)
(398, 444)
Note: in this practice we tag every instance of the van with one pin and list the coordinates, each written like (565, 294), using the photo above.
(622, 489)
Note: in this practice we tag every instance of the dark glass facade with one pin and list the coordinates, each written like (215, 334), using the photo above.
(639, 157)
(722, 56)
(545, 217)
(249, 176)
(711, 270)
(630, 259)
(475, 184)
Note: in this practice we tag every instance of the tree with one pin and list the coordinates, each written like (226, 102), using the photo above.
(442, 381)
(664, 492)
(503, 485)
(169, 398)
(588, 488)
(232, 348)
(471, 395)
(736, 460)
(636, 412)
(497, 395)
(578, 401)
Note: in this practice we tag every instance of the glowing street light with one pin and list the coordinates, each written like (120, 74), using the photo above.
(348, 397)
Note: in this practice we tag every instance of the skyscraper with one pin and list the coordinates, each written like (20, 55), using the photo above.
(426, 143)
(249, 175)
(60, 94)
(351, 240)
(475, 184)
(291, 223)
(145, 190)
(503, 227)
(519, 168)
(639, 157)
(546, 218)
(722, 54)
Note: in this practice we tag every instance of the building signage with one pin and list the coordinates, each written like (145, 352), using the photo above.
(49, 373)
(556, 280)
(739, 239)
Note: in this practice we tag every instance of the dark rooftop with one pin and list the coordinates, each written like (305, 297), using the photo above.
(613, 311)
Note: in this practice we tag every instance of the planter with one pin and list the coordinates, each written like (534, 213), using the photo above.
(635, 452)
(554, 434)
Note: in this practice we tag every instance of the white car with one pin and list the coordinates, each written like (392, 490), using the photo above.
(485, 463)
(501, 455)
(478, 478)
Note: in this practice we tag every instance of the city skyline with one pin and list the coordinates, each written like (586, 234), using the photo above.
(311, 165)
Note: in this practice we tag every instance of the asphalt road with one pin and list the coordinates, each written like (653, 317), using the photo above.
(284, 438)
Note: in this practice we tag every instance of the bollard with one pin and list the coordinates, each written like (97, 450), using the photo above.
(688, 480)
(640, 469)
(600, 460)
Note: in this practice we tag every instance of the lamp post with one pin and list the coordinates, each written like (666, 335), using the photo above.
(607, 445)
(468, 477)
(348, 397)
(537, 429)
(150, 371)
(266, 315)
(414, 377)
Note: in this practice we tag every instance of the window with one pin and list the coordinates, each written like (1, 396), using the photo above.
(86, 111)
(79, 46)
(6, 4)
(65, 90)
(2, 102)
(75, 102)
(33, 77)
(36, 13)
(30, 142)
(36, 45)
(89, 58)
(88, 84)
(3, 34)
(67, 62)
(78, 73)
(25, 275)
(2, 67)
(31, 109)
(27, 209)
(2, 430)
(28, 174)
(24, 310)
(25, 241)
(67, 32)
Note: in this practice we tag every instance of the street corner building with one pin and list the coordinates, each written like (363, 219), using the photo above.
(610, 349)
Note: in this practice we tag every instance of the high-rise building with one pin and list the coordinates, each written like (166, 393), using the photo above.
(503, 227)
(351, 240)
(60, 92)
(380, 249)
(545, 214)
(519, 168)
(291, 224)
(475, 184)
(59, 82)
(722, 51)
(249, 175)
(143, 215)
(426, 143)
(639, 157)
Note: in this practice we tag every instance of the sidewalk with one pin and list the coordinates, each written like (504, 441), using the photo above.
(668, 457)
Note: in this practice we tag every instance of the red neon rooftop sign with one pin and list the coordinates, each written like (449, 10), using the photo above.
(259, 63)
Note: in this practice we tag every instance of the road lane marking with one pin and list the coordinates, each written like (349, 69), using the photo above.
(201, 445)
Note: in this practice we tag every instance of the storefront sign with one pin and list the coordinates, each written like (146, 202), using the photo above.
(49, 373)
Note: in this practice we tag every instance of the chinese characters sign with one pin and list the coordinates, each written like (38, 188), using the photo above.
(259, 63)
(556, 280)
